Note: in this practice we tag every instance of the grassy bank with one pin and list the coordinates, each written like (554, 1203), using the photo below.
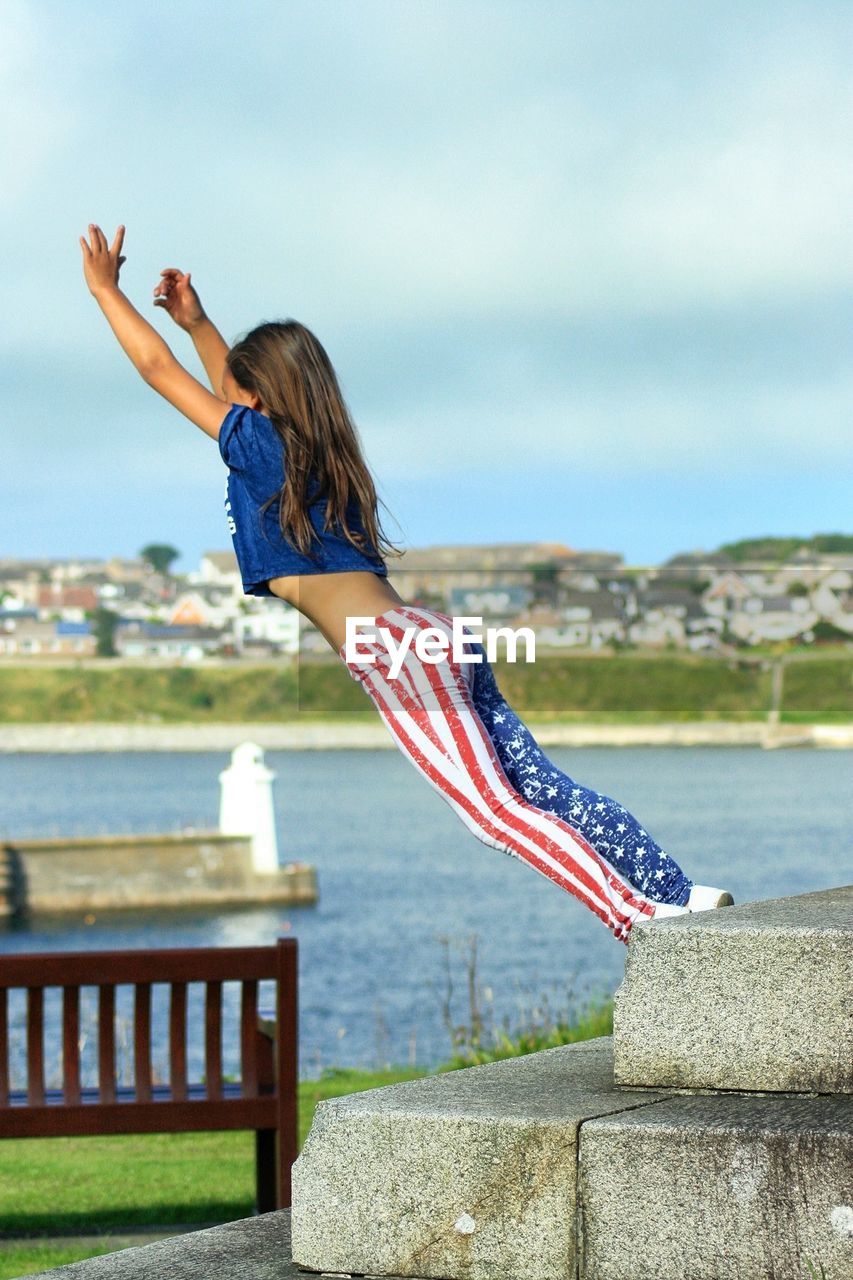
(636, 688)
(818, 692)
(107, 1186)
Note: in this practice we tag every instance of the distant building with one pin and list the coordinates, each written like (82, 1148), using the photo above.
(726, 595)
(153, 640)
(433, 573)
(585, 620)
(772, 619)
(486, 602)
(221, 567)
(696, 566)
(27, 636)
(207, 607)
(56, 596)
(668, 615)
(276, 630)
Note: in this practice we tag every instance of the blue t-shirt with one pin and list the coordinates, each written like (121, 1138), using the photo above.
(254, 453)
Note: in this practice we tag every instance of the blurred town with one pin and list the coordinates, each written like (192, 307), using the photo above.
(138, 610)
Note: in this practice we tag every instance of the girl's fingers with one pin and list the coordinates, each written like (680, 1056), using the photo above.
(118, 241)
(87, 252)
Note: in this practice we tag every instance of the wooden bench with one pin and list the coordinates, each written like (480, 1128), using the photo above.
(264, 1099)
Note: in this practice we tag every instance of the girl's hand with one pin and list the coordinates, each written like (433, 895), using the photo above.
(102, 264)
(176, 294)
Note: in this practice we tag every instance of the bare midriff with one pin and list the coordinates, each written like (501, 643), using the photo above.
(328, 599)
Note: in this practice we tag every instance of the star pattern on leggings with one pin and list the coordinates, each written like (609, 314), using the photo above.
(604, 823)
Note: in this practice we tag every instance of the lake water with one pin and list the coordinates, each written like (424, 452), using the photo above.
(397, 873)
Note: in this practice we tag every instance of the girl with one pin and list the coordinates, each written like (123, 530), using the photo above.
(302, 511)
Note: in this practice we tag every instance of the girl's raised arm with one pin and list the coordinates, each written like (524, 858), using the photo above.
(176, 295)
(141, 342)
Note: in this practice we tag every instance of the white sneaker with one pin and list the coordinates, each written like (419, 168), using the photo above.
(704, 899)
(664, 909)
(701, 898)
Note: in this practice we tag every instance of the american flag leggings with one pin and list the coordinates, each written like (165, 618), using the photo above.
(451, 721)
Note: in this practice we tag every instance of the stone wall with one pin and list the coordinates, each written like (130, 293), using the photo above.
(107, 873)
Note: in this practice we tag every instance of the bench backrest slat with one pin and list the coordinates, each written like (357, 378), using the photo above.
(178, 1041)
(213, 1039)
(71, 1043)
(4, 1048)
(35, 1046)
(107, 1043)
(142, 1041)
(248, 1038)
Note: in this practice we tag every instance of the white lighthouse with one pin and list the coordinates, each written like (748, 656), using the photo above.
(245, 805)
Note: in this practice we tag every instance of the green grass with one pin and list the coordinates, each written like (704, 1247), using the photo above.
(633, 688)
(818, 691)
(497, 1044)
(28, 1259)
(641, 688)
(107, 1186)
(165, 695)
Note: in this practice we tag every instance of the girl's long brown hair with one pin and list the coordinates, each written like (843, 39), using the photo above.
(288, 369)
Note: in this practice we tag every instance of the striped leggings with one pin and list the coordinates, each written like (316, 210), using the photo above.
(450, 719)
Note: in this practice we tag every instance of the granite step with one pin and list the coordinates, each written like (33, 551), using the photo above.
(250, 1249)
(718, 1186)
(539, 1168)
(756, 997)
(472, 1173)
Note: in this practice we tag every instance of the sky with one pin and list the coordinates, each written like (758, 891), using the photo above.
(583, 269)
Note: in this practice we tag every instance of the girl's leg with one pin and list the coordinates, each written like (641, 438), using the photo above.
(429, 710)
(611, 830)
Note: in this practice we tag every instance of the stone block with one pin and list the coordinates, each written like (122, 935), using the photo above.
(470, 1174)
(756, 997)
(716, 1187)
(249, 1249)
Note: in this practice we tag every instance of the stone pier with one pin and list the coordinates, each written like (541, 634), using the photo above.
(92, 874)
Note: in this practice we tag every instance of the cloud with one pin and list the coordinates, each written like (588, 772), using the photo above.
(578, 238)
(420, 161)
(650, 429)
(33, 124)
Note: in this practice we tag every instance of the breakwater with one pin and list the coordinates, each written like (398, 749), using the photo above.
(90, 874)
